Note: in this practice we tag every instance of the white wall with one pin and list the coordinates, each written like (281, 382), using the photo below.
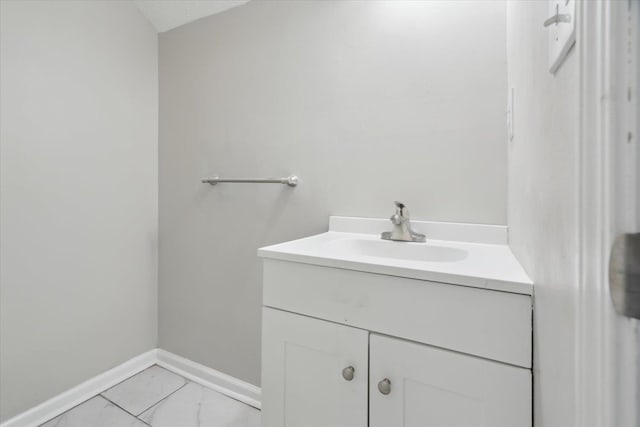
(368, 102)
(78, 218)
(542, 203)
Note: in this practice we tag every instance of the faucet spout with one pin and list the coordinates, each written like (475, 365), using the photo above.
(402, 230)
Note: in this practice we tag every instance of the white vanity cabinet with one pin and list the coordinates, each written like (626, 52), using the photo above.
(429, 386)
(317, 373)
(363, 332)
(343, 348)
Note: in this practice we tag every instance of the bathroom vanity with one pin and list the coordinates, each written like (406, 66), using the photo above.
(358, 331)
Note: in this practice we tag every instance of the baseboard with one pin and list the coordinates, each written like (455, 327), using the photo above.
(64, 401)
(208, 377)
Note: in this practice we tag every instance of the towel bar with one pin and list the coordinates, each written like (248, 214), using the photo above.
(291, 180)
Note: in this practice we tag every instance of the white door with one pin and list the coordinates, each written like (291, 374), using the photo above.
(624, 357)
(431, 387)
(314, 372)
(608, 358)
(624, 217)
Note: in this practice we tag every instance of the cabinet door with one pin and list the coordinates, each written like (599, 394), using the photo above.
(431, 387)
(303, 383)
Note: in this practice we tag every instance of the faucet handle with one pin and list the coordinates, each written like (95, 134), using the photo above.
(399, 205)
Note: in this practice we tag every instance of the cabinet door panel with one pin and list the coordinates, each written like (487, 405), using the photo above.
(302, 379)
(432, 387)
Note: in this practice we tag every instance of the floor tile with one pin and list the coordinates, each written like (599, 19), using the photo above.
(142, 391)
(95, 412)
(197, 406)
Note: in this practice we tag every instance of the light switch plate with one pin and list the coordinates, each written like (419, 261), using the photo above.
(562, 35)
(510, 114)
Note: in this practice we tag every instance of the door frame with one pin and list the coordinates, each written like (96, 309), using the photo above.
(607, 345)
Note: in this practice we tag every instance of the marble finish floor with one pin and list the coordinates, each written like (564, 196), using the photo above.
(159, 398)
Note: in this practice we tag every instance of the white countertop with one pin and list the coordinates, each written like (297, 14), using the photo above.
(468, 263)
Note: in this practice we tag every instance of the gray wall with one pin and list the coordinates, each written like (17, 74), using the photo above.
(78, 216)
(542, 198)
(368, 102)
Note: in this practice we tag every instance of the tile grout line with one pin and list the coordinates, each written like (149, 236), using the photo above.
(208, 388)
(164, 398)
(85, 401)
(151, 406)
(120, 407)
(137, 417)
(126, 379)
(101, 394)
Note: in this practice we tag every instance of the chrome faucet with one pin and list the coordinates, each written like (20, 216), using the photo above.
(402, 230)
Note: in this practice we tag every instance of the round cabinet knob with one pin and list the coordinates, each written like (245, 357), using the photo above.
(347, 373)
(385, 386)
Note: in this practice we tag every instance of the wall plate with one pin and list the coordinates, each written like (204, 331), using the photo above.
(561, 25)
(510, 114)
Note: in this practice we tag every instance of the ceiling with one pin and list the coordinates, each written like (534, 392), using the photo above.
(168, 14)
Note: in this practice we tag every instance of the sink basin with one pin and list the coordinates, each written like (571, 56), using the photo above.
(463, 254)
(396, 250)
